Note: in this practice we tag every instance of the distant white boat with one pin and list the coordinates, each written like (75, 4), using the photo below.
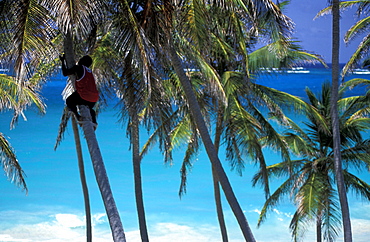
(291, 70)
(361, 71)
(270, 70)
(4, 70)
(298, 70)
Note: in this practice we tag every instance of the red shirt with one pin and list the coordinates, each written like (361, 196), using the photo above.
(86, 86)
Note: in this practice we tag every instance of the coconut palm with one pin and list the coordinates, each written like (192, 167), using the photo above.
(241, 123)
(265, 10)
(164, 20)
(335, 8)
(335, 125)
(62, 127)
(311, 177)
(31, 30)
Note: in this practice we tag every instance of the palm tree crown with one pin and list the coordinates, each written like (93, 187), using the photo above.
(311, 178)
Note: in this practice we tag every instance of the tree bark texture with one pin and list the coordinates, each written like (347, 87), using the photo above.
(137, 178)
(102, 177)
(85, 189)
(335, 125)
(210, 148)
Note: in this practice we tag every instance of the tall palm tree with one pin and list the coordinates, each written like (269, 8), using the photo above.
(335, 125)
(138, 86)
(311, 177)
(32, 27)
(264, 10)
(62, 127)
(240, 122)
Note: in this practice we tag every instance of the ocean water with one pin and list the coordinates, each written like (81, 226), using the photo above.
(53, 209)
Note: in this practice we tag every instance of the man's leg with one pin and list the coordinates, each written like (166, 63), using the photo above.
(92, 112)
(72, 101)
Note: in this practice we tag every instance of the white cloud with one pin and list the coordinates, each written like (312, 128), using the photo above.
(9, 238)
(257, 211)
(69, 220)
(62, 227)
(169, 232)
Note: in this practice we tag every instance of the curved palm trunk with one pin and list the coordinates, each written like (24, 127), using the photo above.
(83, 179)
(101, 177)
(335, 125)
(216, 183)
(96, 157)
(68, 49)
(210, 148)
(137, 178)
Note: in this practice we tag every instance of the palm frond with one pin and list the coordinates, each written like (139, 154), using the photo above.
(281, 54)
(18, 96)
(358, 186)
(274, 199)
(29, 33)
(358, 28)
(343, 5)
(361, 51)
(191, 151)
(62, 126)
(331, 218)
(10, 164)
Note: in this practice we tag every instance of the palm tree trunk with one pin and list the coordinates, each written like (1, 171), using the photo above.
(136, 159)
(216, 183)
(69, 52)
(96, 157)
(101, 177)
(335, 123)
(83, 179)
(210, 148)
(318, 230)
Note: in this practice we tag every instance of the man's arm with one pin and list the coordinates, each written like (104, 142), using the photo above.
(67, 71)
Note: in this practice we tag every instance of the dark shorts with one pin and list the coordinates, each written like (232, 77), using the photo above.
(74, 100)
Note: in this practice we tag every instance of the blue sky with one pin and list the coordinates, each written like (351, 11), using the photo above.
(315, 35)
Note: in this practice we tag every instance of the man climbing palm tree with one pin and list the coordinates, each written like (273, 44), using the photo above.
(86, 92)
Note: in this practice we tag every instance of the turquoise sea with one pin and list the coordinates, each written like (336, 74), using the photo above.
(53, 210)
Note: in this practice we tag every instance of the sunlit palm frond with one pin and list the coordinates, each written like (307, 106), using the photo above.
(8, 90)
(331, 217)
(343, 6)
(281, 54)
(361, 52)
(273, 21)
(358, 28)
(18, 96)
(355, 82)
(308, 197)
(27, 36)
